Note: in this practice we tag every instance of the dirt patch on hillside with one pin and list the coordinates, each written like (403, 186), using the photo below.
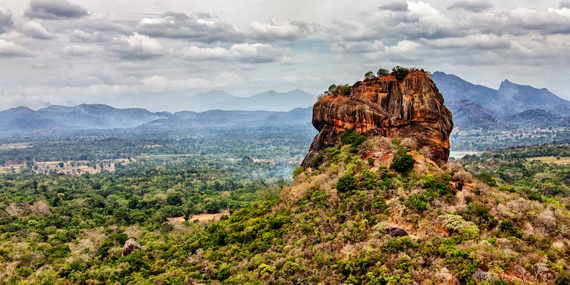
(552, 159)
(202, 218)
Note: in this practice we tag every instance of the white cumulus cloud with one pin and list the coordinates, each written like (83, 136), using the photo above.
(246, 53)
(37, 31)
(10, 49)
(136, 47)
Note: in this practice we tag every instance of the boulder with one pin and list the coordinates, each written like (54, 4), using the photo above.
(411, 108)
(396, 232)
(130, 246)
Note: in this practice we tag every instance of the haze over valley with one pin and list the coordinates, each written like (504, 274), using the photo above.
(485, 118)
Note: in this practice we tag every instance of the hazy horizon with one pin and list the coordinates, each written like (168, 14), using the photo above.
(179, 108)
(173, 105)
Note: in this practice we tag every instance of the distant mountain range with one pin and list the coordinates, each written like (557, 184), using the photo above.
(79, 117)
(473, 106)
(217, 100)
(106, 117)
(231, 119)
(23, 119)
(266, 101)
(512, 106)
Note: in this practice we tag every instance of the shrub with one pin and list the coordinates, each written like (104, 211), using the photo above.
(417, 201)
(487, 179)
(409, 143)
(480, 215)
(343, 89)
(510, 230)
(400, 72)
(379, 203)
(368, 180)
(346, 183)
(383, 72)
(369, 75)
(463, 177)
(347, 90)
(435, 188)
(298, 171)
(455, 223)
(174, 200)
(224, 273)
(354, 138)
(563, 278)
(398, 244)
(534, 195)
(265, 269)
(403, 163)
(317, 160)
(59, 251)
(213, 207)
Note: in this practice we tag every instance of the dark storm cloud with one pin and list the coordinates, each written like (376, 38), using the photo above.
(55, 10)
(471, 6)
(6, 20)
(565, 5)
(395, 7)
(175, 25)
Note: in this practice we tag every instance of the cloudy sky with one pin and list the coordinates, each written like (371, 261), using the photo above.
(119, 51)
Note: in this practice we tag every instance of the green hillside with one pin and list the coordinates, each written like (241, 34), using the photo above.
(352, 219)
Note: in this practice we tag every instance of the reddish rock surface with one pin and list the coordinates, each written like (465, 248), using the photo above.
(408, 108)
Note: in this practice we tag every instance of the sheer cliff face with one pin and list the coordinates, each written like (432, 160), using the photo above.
(410, 108)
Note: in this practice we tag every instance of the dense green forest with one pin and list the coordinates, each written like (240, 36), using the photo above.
(329, 227)
(255, 142)
(485, 140)
(46, 213)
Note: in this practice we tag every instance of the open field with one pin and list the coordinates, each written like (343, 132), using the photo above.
(461, 154)
(150, 156)
(11, 146)
(77, 167)
(552, 159)
(202, 218)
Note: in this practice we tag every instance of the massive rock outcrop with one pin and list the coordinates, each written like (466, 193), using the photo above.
(408, 108)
